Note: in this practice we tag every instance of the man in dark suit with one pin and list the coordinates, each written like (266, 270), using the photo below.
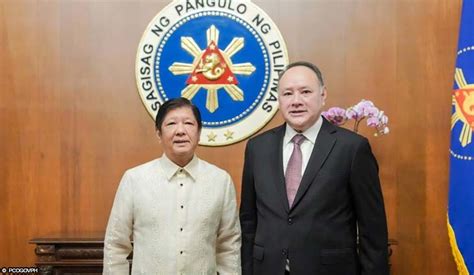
(308, 187)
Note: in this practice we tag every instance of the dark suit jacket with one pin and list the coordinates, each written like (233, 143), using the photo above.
(340, 188)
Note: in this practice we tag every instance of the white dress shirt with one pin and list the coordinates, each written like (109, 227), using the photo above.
(306, 146)
(182, 220)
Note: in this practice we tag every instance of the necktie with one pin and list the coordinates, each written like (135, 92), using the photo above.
(293, 169)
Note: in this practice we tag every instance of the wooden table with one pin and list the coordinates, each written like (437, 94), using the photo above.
(81, 253)
(70, 253)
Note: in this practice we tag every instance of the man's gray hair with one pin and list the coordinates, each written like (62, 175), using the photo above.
(306, 64)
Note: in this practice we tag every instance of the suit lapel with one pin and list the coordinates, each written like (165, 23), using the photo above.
(277, 159)
(322, 147)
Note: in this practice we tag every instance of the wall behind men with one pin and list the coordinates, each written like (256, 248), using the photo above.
(71, 120)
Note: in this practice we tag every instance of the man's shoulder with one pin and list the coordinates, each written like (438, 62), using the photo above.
(144, 167)
(210, 167)
(268, 136)
(348, 134)
(348, 139)
(212, 170)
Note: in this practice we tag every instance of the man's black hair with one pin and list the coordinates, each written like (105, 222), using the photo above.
(173, 104)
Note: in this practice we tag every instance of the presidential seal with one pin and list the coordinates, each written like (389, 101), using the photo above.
(462, 119)
(223, 55)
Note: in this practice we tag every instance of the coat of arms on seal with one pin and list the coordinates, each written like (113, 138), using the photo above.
(462, 119)
(223, 55)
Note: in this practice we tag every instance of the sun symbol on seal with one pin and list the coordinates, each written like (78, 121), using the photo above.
(463, 100)
(212, 69)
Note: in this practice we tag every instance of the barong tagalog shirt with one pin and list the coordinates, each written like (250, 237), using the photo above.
(182, 220)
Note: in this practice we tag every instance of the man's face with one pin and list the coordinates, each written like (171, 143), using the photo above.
(301, 97)
(179, 135)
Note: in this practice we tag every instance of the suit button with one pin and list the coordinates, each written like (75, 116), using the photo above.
(284, 252)
(290, 221)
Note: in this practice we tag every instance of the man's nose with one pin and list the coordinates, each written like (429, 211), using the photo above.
(296, 99)
(180, 129)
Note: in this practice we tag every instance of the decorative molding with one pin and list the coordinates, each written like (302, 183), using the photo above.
(45, 249)
(80, 253)
(46, 269)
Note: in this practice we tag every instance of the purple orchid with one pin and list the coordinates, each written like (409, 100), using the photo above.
(364, 109)
(373, 121)
(336, 115)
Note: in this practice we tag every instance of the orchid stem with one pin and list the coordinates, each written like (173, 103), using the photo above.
(356, 125)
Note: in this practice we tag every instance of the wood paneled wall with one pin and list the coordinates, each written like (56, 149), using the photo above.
(71, 120)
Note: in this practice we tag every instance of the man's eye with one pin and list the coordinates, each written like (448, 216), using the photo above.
(306, 92)
(170, 123)
(286, 93)
(189, 123)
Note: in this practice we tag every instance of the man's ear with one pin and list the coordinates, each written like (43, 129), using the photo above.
(158, 134)
(324, 94)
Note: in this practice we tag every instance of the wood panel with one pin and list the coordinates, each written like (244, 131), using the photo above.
(71, 120)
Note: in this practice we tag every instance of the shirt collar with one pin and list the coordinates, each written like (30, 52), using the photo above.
(310, 134)
(170, 168)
